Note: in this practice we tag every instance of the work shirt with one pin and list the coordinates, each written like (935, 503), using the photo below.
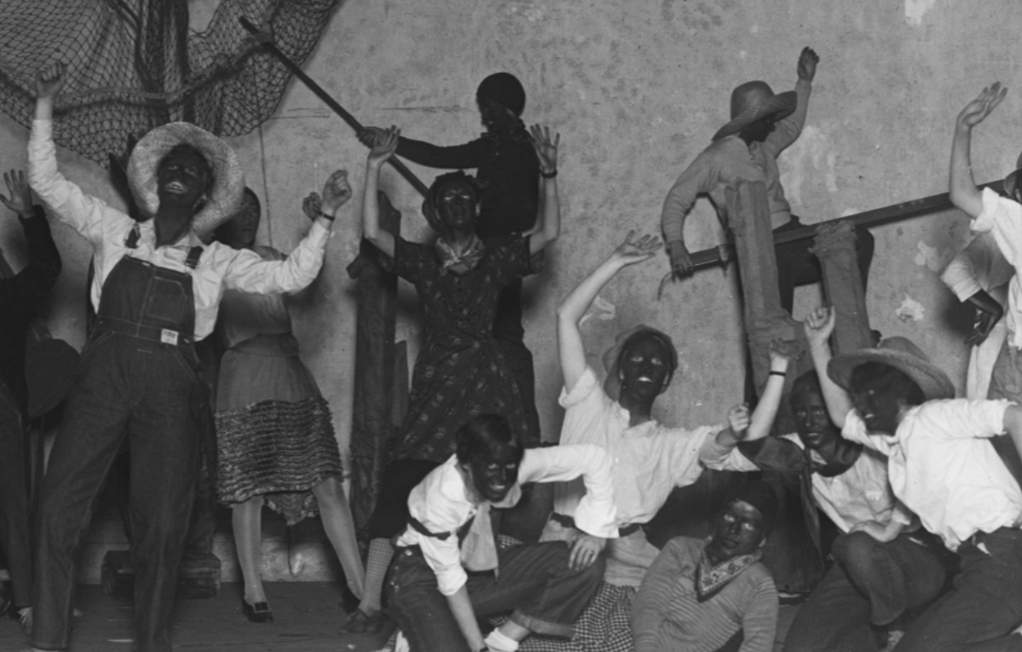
(219, 267)
(942, 467)
(1003, 218)
(649, 460)
(442, 504)
(729, 160)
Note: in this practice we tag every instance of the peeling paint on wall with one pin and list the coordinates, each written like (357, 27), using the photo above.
(916, 9)
(929, 257)
(910, 310)
(811, 159)
(600, 309)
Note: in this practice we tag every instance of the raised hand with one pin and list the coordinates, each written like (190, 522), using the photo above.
(635, 250)
(336, 192)
(819, 324)
(19, 195)
(50, 80)
(978, 109)
(384, 144)
(368, 135)
(807, 61)
(781, 353)
(312, 206)
(546, 148)
(738, 418)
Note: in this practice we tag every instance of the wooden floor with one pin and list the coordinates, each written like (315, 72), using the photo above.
(307, 617)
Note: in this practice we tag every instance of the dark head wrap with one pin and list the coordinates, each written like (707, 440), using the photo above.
(759, 494)
(504, 89)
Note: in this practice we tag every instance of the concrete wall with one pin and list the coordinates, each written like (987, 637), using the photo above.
(636, 89)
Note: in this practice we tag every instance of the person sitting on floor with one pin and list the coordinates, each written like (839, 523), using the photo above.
(701, 594)
(884, 565)
(650, 459)
(544, 586)
(942, 466)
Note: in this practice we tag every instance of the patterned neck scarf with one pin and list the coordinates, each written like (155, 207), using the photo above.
(460, 259)
(711, 579)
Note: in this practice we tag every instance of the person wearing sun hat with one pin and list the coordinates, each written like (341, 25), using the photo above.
(941, 466)
(738, 171)
(156, 291)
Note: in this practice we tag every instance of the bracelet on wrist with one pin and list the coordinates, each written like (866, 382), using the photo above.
(547, 175)
(776, 372)
(327, 216)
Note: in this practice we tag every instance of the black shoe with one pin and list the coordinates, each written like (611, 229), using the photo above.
(259, 612)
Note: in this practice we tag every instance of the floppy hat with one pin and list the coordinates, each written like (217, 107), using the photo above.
(903, 355)
(612, 356)
(228, 179)
(51, 369)
(753, 101)
(1010, 183)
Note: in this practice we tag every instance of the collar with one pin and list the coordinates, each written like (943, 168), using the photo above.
(460, 260)
(711, 579)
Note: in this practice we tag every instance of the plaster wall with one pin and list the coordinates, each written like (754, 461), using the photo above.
(636, 89)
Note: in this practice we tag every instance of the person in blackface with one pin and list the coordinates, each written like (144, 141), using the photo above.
(275, 437)
(156, 290)
(543, 586)
(509, 194)
(704, 595)
(22, 298)
(461, 369)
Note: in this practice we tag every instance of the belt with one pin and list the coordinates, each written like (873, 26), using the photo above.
(568, 521)
(143, 331)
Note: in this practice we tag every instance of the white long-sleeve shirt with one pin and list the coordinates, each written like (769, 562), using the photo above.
(942, 467)
(1003, 218)
(443, 504)
(219, 267)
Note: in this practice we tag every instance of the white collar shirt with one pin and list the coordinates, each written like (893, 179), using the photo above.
(943, 469)
(1003, 218)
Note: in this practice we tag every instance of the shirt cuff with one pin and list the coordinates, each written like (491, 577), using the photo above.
(584, 386)
(41, 129)
(449, 580)
(596, 517)
(992, 203)
(961, 284)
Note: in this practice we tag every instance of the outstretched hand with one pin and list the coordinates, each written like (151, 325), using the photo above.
(546, 148)
(336, 192)
(368, 135)
(50, 80)
(635, 250)
(819, 324)
(19, 195)
(807, 61)
(978, 109)
(384, 144)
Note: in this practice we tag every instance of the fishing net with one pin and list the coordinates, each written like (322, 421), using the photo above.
(135, 64)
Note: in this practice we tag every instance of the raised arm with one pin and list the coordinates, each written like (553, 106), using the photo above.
(384, 145)
(744, 427)
(569, 313)
(787, 130)
(962, 187)
(548, 220)
(819, 325)
(469, 155)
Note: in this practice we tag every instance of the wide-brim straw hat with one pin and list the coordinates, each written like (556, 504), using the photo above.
(224, 196)
(1010, 183)
(612, 356)
(754, 101)
(903, 355)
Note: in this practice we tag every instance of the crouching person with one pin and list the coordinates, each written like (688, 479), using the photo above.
(438, 585)
(701, 595)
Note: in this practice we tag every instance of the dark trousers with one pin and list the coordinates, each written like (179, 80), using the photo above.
(980, 611)
(14, 520)
(870, 583)
(534, 585)
(146, 392)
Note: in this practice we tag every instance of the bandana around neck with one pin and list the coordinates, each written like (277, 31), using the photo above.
(711, 579)
(463, 259)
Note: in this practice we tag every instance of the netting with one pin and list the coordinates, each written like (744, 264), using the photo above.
(133, 65)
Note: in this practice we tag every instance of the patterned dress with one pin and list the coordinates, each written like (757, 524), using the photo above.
(275, 436)
(461, 370)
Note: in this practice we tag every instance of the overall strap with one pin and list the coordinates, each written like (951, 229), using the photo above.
(193, 257)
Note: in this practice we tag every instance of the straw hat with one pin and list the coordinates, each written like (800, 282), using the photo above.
(753, 101)
(228, 179)
(612, 356)
(903, 355)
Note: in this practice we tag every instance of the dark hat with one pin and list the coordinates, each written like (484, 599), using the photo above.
(504, 89)
(753, 101)
(903, 355)
(51, 368)
(1010, 183)
(761, 496)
